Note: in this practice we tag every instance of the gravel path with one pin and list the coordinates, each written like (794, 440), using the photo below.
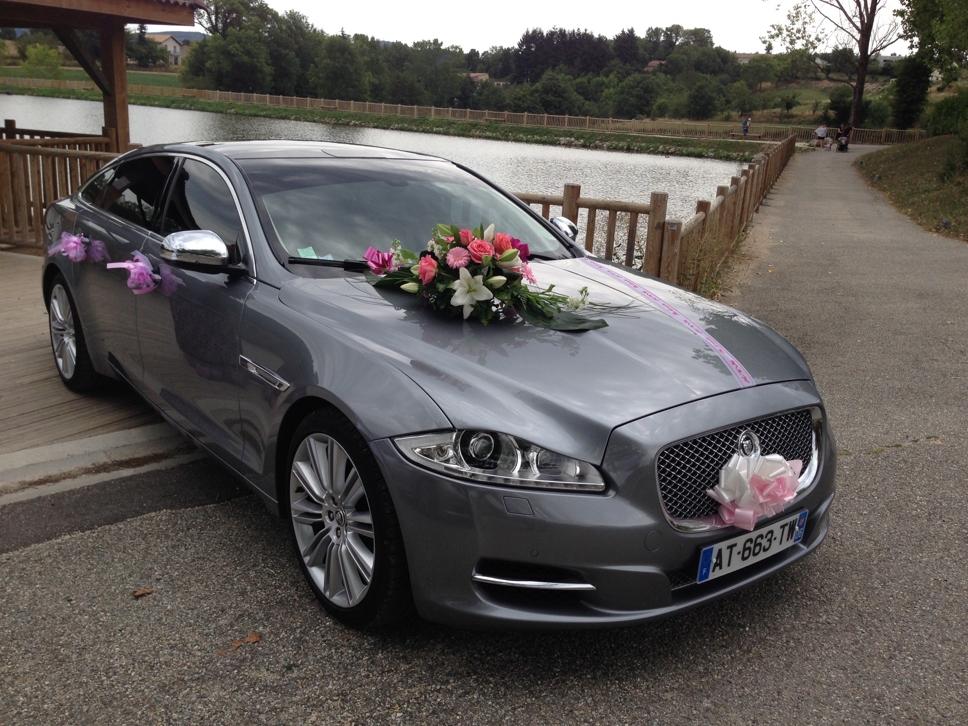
(870, 629)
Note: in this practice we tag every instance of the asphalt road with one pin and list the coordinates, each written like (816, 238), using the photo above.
(870, 629)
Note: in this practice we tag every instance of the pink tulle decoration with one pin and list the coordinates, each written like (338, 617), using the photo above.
(70, 246)
(380, 262)
(141, 279)
(97, 251)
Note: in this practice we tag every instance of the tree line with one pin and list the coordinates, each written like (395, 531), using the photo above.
(671, 71)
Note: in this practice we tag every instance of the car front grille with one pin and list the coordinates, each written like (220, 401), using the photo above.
(687, 469)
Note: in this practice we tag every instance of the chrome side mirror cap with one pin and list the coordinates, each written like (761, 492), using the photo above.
(566, 227)
(198, 249)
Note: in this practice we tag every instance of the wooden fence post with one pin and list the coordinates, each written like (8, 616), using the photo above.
(745, 213)
(569, 207)
(669, 268)
(723, 227)
(10, 128)
(734, 218)
(658, 203)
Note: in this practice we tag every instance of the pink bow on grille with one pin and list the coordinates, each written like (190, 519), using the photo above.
(70, 246)
(755, 486)
(141, 279)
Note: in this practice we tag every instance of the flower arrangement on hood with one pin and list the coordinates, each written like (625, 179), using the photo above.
(480, 274)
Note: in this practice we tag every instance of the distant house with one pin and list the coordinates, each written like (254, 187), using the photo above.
(653, 66)
(744, 58)
(178, 43)
(478, 77)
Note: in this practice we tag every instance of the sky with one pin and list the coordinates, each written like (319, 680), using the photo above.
(735, 24)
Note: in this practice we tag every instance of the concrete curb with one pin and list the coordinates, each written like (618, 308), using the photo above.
(95, 454)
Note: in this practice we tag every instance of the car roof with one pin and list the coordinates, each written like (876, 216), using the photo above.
(283, 149)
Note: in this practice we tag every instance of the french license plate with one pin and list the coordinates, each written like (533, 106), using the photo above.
(720, 559)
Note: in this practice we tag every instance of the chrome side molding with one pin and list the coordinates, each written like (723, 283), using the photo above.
(270, 378)
(533, 584)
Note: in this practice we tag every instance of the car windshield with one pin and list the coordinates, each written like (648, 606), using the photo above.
(333, 209)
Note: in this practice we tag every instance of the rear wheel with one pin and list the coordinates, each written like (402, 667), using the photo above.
(67, 341)
(343, 524)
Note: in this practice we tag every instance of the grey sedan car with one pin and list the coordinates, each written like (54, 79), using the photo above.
(506, 475)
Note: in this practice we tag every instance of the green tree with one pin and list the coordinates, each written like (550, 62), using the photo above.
(144, 52)
(759, 70)
(703, 100)
(556, 94)
(910, 91)
(634, 97)
(939, 28)
(338, 71)
(42, 61)
(626, 48)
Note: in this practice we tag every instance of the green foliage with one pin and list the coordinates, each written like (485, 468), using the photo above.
(949, 116)
(42, 61)
(338, 71)
(634, 97)
(939, 28)
(910, 91)
(144, 52)
(703, 101)
(877, 113)
(841, 99)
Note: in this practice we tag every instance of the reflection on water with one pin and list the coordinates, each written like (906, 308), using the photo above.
(515, 166)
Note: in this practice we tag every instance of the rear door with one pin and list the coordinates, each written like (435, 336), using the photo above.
(189, 326)
(117, 208)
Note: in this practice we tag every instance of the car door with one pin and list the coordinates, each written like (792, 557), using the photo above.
(189, 325)
(116, 209)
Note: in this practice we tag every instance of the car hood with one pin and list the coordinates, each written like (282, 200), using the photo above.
(565, 391)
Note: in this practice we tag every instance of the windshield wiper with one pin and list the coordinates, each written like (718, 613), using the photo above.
(351, 265)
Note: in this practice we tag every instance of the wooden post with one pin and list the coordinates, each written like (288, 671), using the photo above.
(734, 219)
(658, 203)
(569, 207)
(723, 226)
(669, 269)
(744, 202)
(116, 102)
(9, 128)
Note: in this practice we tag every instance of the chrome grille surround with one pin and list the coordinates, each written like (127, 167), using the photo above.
(686, 469)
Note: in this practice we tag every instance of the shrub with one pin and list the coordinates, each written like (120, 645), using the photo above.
(910, 91)
(42, 61)
(947, 116)
(877, 113)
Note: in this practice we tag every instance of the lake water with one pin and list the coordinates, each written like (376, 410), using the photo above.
(515, 166)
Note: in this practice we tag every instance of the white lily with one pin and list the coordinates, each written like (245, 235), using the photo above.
(489, 234)
(468, 291)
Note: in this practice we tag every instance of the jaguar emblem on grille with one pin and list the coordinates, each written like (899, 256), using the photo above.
(748, 443)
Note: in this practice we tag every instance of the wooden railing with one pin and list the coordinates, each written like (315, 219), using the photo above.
(34, 174)
(690, 129)
(688, 253)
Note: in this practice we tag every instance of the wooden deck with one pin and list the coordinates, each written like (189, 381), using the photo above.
(35, 407)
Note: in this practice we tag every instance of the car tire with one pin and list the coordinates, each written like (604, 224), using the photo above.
(343, 525)
(71, 358)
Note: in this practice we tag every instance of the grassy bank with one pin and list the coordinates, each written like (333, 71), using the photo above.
(914, 178)
(145, 78)
(633, 143)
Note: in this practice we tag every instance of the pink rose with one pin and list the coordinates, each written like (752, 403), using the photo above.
(502, 242)
(427, 269)
(466, 237)
(480, 249)
(458, 257)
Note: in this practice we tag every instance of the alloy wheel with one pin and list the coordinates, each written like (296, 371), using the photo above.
(332, 520)
(62, 332)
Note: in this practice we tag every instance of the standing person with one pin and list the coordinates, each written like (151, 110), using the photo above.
(746, 125)
(821, 134)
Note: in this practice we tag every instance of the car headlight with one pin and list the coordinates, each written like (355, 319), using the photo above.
(495, 458)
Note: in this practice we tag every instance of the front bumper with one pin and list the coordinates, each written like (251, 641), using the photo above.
(618, 542)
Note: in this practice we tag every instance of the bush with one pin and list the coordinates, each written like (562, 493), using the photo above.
(841, 99)
(877, 113)
(948, 116)
(42, 61)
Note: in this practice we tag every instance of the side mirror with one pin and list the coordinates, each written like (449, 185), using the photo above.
(566, 227)
(196, 249)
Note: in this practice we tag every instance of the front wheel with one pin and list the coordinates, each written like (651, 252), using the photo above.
(67, 341)
(343, 524)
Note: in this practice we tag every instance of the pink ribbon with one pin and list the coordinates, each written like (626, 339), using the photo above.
(738, 370)
(751, 487)
(141, 279)
(70, 246)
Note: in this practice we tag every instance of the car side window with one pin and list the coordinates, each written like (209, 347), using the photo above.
(94, 189)
(134, 191)
(200, 199)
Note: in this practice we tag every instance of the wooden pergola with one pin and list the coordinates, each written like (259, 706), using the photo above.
(107, 18)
